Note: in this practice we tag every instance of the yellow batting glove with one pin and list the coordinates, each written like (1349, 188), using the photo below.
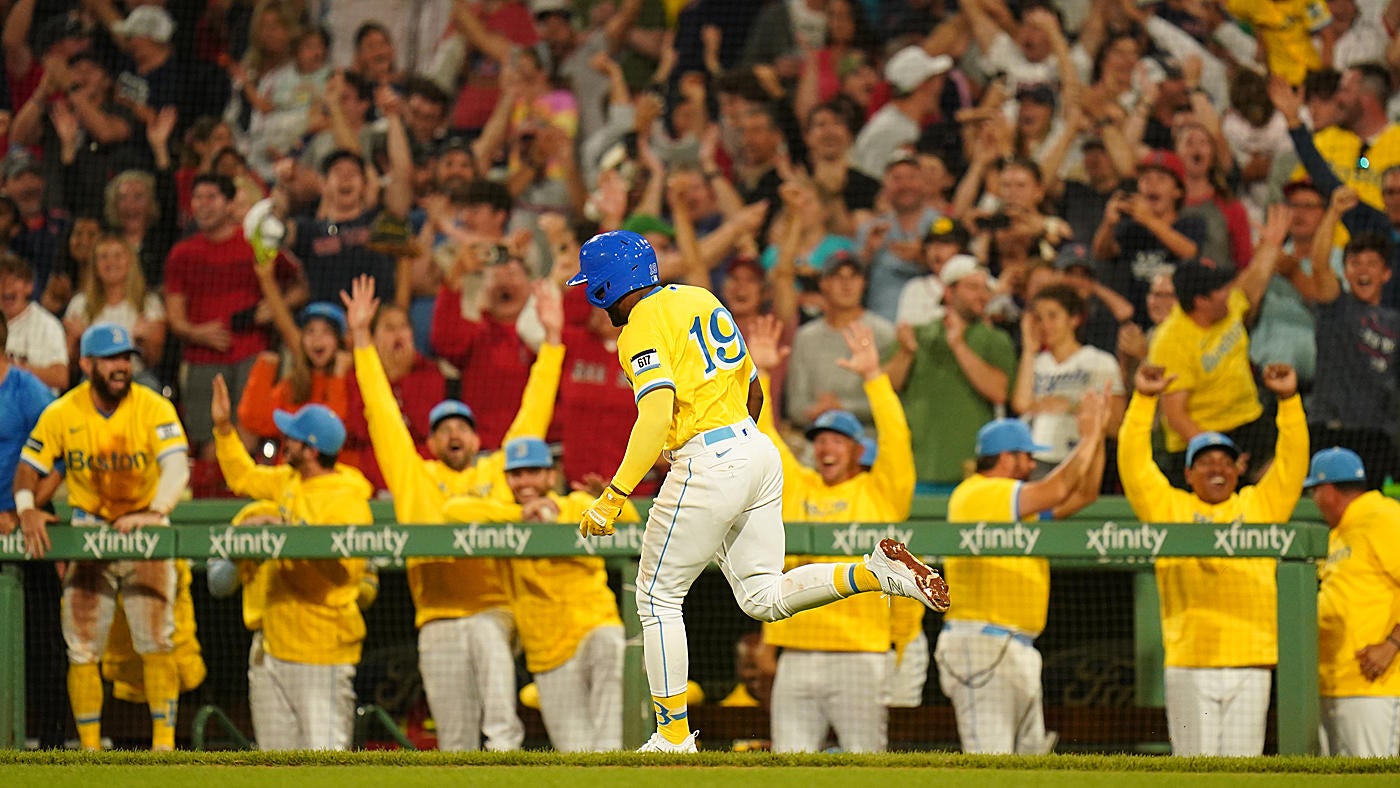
(598, 520)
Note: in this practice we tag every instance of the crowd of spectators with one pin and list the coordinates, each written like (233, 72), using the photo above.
(924, 169)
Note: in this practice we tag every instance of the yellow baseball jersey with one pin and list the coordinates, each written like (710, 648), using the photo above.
(1358, 602)
(1008, 591)
(885, 493)
(681, 337)
(122, 666)
(1211, 363)
(1285, 28)
(310, 613)
(1216, 612)
(111, 461)
(444, 588)
(252, 575)
(556, 602)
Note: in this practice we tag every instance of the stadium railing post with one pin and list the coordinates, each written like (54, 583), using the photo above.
(1297, 658)
(1150, 689)
(638, 721)
(12, 662)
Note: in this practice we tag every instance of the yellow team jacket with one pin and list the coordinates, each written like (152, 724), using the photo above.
(122, 666)
(445, 588)
(310, 614)
(1216, 612)
(1009, 591)
(556, 602)
(1358, 602)
(885, 493)
(1285, 28)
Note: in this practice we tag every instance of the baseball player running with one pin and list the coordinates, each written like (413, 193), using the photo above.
(697, 397)
(463, 616)
(125, 460)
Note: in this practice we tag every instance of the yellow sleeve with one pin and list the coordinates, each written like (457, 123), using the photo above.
(394, 448)
(169, 433)
(893, 470)
(1279, 488)
(1143, 481)
(474, 509)
(792, 469)
(1174, 355)
(654, 412)
(45, 442)
(537, 403)
(244, 477)
(645, 359)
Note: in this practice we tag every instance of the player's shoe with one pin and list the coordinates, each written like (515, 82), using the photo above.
(658, 743)
(901, 574)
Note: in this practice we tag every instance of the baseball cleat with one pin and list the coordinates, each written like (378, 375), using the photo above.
(658, 743)
(901, 574)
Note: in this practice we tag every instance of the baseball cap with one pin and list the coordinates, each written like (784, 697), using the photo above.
(326, 311)
(868, 451)
(1197, 278)
(315, 425)
(960, 267)
(841, 258)
(746, 261)
(449, 408)
(20, 162)
(147, 21)
(901, 156)
(1302, 184)
(842, 422)
(453, 143)
(539, 8)
(1038, 93)
(948, 231)
(1003, 435)
(523, 453)
(1167, 162)
(1209, 440)
(912, 66)
(643, 223)
(105, 340)
(1335, 466)
(1072, 255)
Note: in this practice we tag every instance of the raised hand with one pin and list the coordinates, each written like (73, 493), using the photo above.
(1286, 100)
(865, 356)
(549, 307)
(220, 407)
(1281, 379)
(1152, 380)
(360, 308)
(1344, 198)
(1092, 416)
(1276, 224)
(158, 131)
(65, 123)
(764, 341)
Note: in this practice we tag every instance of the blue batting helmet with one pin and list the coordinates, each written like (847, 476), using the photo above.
(613, 265)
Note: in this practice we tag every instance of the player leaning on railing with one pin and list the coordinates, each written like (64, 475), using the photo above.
(697, 397)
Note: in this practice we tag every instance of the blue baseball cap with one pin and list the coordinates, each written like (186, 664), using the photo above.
(105, 340)
(326, 311)
(449, 408)
(1209, 440)
(868, 452)
(1335, 466)
(1003, 435)
(843, 422)
(526, 453)
(315, 425)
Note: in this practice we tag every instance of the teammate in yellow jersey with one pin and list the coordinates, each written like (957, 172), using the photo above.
(124, 454)
(463, 616)
(988, 664)
(122, 666)
(1219, 615)
(834, 663)
(566, 613)
(697, 397)
(311, 622)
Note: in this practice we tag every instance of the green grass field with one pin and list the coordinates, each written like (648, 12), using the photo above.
(623, 770)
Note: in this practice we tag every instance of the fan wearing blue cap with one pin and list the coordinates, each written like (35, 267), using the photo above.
(844, 647)
(464, 649)
(565, 613)
(1358, 635)
(698, 395)
(1003, 602)
(1219, 615)
(312, 629)
(320, 369)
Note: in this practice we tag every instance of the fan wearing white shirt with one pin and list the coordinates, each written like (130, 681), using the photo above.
(921, 300)
(1057, 371)
(36, 341)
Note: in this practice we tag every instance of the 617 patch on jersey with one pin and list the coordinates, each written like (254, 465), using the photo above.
(644, 361)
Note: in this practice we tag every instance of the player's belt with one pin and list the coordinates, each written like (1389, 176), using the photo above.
(718, 434)
(991, 630)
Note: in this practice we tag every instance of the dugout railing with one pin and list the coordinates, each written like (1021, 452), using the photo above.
(1104, 537)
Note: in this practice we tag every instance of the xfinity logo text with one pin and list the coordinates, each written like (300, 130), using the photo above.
(382, 541)
(1110, 537)
(509, 537)
(100, 541)
(1273, 539)
(857, 539)
(992, 537)
(12, 546)
(246, 542)
(626, 537)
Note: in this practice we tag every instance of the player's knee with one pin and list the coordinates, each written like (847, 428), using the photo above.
(651, 607)
(761, 609)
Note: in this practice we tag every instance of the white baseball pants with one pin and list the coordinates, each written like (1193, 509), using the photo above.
(1217, 711)
(906, 674)
(468, 671)
(90, 601)
(1361, 727)
(992, 676)
(581, 700)
(814, 691)
(311, 707)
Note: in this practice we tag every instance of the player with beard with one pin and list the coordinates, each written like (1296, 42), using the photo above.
(464, 623)
(1219, 615)
(125, 457)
